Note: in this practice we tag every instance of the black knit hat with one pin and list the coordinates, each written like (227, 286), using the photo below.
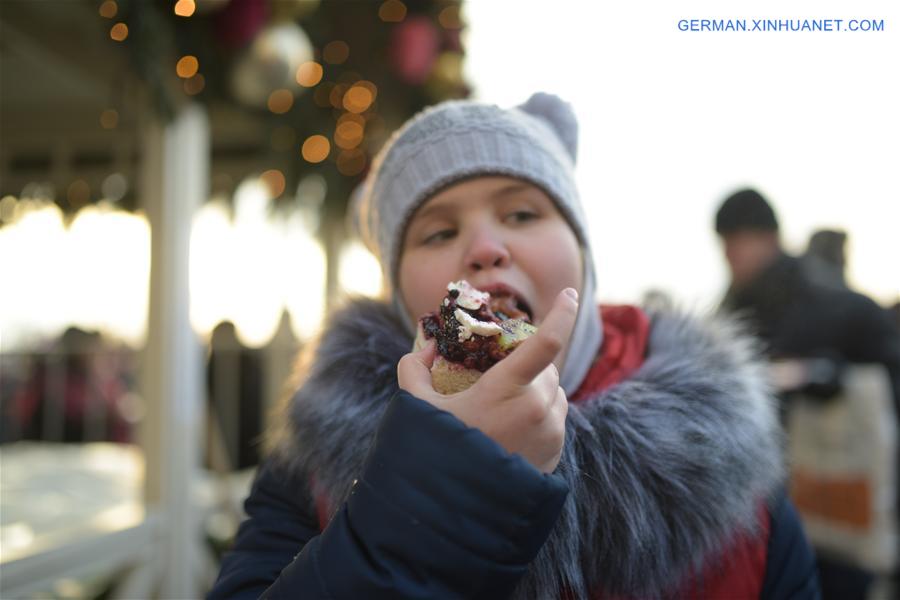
(745, 210)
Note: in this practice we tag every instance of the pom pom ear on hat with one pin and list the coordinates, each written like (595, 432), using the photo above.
(559, 115)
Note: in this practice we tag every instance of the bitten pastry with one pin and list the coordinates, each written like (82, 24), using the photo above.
(474, 330)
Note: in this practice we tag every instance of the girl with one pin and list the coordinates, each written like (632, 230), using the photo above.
(614, 454)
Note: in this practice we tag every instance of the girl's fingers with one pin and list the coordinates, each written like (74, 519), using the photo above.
(414, 371)
(538, 351)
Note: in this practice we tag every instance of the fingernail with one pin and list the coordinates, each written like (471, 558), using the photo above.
(572, 293)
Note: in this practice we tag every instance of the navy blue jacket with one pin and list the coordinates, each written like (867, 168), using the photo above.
(440, 511)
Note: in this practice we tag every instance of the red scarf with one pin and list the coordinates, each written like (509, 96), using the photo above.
(626, 330)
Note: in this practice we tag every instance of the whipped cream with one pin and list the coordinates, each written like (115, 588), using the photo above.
(469, 325)
(469, 297)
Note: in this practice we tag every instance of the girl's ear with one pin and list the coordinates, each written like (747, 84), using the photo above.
(559, 115)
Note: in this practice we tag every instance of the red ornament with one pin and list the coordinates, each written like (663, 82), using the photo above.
(239, 22)
(413, 49)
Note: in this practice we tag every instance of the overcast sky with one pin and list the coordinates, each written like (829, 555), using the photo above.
(671, 121)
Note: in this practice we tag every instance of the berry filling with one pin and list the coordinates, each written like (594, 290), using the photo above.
(473, 351)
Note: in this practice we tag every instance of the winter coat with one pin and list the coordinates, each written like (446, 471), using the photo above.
(668, 485)
(798, 318)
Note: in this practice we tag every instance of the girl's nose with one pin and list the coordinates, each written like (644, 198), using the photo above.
(486, 250)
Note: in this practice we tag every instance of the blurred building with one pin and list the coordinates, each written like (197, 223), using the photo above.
(166, 166)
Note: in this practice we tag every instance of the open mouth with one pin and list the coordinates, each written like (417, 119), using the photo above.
(523, 306)
(476, 327)
(507, 304)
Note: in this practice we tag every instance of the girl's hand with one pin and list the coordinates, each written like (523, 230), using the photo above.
(517, 402)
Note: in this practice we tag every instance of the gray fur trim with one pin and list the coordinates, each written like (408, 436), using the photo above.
(329, 423)
(664, 468)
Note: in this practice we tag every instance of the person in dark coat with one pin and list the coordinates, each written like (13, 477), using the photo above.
(617, 453)
(825, 259)
(795, 315)
(809, 320)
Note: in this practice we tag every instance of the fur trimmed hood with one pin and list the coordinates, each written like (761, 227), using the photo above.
(664, 469)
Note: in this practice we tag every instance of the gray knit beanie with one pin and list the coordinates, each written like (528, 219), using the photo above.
(456, 140)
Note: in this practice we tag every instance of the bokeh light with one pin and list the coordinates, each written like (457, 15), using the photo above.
(119, 32)
(309, 74)
(185, 8)
(351, 162)
(316, 148)
(336, 52)
(273, 179)
(392, 11)
(348, 134)
(247, 268)
(187, 66)
(359, 271)
(78, 193)
(358, 98)
(336, 98)
(303, 288)
(114, 187)
(280, 101)
(109, 118)
(78, 263)
(109, 9)
(322, 95)
(449, 18)
(105, 245)
(194, 85)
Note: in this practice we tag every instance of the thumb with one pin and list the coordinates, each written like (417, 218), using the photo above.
(538, 351)
(414, 371)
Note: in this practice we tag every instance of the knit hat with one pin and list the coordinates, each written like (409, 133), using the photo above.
(460, 139)
(745, 210)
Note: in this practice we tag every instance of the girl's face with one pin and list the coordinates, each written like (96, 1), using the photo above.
(497, 233)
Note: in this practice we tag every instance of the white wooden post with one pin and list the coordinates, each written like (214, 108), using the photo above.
(175, 178)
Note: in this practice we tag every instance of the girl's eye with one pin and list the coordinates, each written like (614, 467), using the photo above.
(521, 216)
(439, 236)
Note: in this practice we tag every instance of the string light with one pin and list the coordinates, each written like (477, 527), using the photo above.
(194, 85)
(274, 181)
(280, 101)
(109, 9)
(119, 32)
(351, 162)
(78, 194)
(187, 66)
(322, 95)
(114, 187)
(352, 117)
(348, 134)
(373, 89)
(392, 11)
(337, 95)
(309, 74)
(316, 148)
(359, 97)
(109, 118)
(336, 52)
(449, 18)
(185, 8)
